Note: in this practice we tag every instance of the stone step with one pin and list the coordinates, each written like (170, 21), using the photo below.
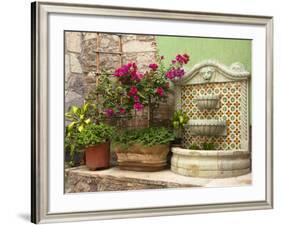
(81, 179)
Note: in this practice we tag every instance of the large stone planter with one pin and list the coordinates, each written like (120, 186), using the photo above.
(142, 158)
(207, 127)
(211, 163)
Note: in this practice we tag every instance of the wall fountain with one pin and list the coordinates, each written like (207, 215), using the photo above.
(216, 99)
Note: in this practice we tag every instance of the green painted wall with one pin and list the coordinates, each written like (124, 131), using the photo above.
(226, 51)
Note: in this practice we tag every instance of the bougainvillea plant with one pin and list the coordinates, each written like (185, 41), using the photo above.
(133, 90)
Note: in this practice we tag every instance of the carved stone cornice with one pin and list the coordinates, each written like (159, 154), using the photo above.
(211, 71)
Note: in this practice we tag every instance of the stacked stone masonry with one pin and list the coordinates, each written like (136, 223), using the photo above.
(88, 54)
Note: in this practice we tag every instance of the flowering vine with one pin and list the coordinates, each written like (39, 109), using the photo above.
(133, 90)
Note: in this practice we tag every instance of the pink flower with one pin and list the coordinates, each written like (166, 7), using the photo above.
(122, 110)
(170, 74)
(134, 65)
(136, 98)
(136, 76)
(122, 71)
(160, 91)
(186, 56)
(153, 66)
(138, 106)
(126, 70)
(175, 73)
(182, 59)
(133, 91)
(109, 112)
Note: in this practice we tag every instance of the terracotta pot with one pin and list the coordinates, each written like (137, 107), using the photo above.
(142, 158)
(98, 156)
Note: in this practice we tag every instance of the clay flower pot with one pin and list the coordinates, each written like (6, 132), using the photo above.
(142, 158)
(98, 156)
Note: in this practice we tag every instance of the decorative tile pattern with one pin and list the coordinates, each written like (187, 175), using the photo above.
(229, 110)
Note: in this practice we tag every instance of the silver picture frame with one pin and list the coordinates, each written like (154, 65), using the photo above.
(40, 104)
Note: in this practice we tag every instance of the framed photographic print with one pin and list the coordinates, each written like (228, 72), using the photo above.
(148, 112)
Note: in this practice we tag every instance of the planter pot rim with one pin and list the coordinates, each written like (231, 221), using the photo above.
(190, 152)
(93, 146)
(141, 145)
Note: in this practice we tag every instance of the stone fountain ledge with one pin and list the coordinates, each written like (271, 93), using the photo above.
(80, 179)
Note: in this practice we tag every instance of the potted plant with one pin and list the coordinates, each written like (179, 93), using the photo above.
(77, 118)
(129, 91)
(143, 149)
(94, 139)
(179, 120)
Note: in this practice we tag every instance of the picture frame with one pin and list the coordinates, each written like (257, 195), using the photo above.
(41, 158)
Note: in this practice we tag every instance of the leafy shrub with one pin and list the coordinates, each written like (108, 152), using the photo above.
(208, 146)
(147, 136)
(78, 118)
(194, 147)
(93, 134)
(179, 119)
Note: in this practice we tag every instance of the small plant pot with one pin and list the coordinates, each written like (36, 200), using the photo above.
(98, 156)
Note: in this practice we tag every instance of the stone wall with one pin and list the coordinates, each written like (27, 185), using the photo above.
(87, 54)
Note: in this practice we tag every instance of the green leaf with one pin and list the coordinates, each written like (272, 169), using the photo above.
(80, 128)
(85, 107)
(141, 95)
(176, 124)
(181, 119)
(87, 121)
(74, 109)
(70, 126)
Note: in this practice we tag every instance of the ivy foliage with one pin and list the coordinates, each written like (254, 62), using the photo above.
(147, 137)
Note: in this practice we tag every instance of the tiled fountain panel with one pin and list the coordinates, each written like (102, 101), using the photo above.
(230, 108)
(210, 79)
(227, 87)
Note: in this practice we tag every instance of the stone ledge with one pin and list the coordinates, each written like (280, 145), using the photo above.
(80, 179)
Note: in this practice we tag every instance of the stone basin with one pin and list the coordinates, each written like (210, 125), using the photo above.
(210, 163)
(207, 127)
(207, 101)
